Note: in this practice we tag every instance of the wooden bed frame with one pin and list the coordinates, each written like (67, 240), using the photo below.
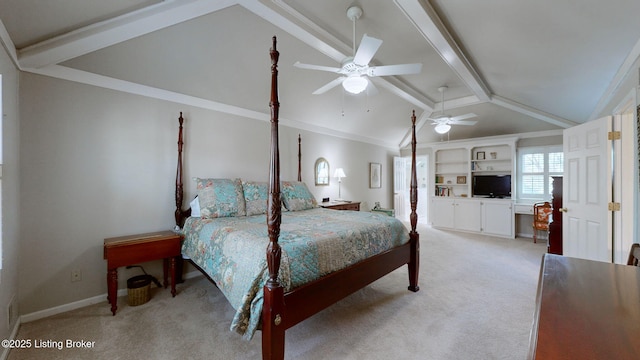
(283, 310)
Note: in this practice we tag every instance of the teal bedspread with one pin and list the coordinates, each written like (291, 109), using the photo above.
(315, 242)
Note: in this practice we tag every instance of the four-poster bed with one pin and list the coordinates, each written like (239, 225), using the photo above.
(281, 299)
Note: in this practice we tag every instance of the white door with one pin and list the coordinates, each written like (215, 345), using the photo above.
(400, 187)
(402, 184)
(587, 188)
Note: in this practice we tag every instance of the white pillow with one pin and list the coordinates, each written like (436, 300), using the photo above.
(195, 207)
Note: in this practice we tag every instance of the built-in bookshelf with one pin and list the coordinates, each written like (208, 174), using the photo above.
(454, 204)
(454, 167)
(495, 159)
(452, 172)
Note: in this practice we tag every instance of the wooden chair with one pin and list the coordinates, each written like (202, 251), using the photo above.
(541, 213)
(634, 255)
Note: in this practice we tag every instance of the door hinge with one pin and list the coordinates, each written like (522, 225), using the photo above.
(614, 206)
(614, 135)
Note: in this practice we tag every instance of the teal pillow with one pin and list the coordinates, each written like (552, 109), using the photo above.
(220, 198)
(255, 197)
(296, 196)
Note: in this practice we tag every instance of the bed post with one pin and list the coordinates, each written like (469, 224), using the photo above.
(179, 191)
(414, 263)
(272, 309)
(299, 158)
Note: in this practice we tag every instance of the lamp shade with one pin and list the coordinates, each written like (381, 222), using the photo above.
(442, 128)
(355, 84)
(339, 173)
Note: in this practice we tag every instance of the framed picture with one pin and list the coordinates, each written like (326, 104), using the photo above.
(480, 155)
(461, 180)
(375, 175)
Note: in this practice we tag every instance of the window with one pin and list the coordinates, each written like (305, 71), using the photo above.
(536, 166)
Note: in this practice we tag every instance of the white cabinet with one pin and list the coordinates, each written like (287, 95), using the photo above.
(442, 212)
(498, 218)
(456, 213)
(491, 217)
(467, 215)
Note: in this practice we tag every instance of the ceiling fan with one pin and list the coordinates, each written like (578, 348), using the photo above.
(443, 122)
(356, 69)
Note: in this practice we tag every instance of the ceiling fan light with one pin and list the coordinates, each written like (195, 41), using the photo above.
(355, 84)
(442, 128)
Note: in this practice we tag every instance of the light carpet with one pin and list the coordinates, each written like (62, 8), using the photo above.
(476, 301)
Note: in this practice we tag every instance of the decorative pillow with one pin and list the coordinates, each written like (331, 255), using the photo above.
(220, 197)
(255, 196)
(296, 196)
(195, 207)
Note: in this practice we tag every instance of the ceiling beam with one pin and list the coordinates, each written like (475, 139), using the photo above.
(529, 111)
(275, 18)
(421, 121)
(109, 32)
(426, 20)
(8, 44)
(625, 70)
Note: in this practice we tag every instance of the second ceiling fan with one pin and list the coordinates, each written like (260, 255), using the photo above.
(356, 69)
(443, 122)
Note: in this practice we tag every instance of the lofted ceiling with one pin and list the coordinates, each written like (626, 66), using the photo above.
(519, 65)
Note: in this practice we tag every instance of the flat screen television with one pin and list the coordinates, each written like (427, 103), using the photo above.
(494, 186)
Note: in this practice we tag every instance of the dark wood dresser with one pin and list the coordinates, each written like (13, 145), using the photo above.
(586, 309)
(341, 205)
(554, 245)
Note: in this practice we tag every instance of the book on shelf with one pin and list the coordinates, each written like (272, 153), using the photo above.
(444, 191)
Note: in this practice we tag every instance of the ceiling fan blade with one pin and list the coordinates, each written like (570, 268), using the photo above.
(462, 122)
(300, 65)
(462, 117)
(401, 69)
(366, 50)
(439, 119)
(329, 86)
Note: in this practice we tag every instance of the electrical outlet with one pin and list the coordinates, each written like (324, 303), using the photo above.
(76, 275)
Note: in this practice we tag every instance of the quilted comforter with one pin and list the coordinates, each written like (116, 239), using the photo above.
(314, 243)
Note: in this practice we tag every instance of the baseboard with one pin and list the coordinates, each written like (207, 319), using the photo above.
(14, 332)
(82, 303)
(67, 307)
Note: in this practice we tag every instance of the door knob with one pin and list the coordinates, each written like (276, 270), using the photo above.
(563, 209)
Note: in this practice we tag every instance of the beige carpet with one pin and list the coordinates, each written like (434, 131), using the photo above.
(476, 301)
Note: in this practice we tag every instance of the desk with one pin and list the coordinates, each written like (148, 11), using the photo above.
(133, 249)
(341, 205)
(586, 310)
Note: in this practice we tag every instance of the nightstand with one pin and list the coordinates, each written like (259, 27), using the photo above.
(341, 205)
(133, 249)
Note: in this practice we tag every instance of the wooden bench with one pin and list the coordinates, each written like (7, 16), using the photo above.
(134, 249)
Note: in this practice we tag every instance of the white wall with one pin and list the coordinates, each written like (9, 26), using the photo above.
(10, 190)
(98, 163)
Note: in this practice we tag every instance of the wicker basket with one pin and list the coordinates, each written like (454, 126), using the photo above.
(138, 289)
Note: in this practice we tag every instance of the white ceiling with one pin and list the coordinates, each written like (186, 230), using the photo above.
(520, 65)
